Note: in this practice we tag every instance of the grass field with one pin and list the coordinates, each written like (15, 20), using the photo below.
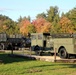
(25, 66)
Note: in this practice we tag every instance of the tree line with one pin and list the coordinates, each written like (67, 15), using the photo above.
(51, 22)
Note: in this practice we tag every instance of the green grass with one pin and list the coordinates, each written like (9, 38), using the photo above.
(25, 66)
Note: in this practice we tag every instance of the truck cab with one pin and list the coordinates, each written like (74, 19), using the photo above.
(40, 42)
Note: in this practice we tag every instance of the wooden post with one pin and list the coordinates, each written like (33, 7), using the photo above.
(30, 50)
(12, 51)
(55, 54)
(23, 50)
(11, 46)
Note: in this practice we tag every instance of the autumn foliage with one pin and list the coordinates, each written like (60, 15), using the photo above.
(66, 25)
(23, 25)
(50, 22)
(42, 25)
(38, 25)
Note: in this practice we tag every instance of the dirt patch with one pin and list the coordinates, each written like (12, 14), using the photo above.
(33, 70)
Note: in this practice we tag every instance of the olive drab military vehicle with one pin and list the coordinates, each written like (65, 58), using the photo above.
(65, 44)
(13, 41)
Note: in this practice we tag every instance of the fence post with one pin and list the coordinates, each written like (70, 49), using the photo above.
(55, 54)
(30, 50)
(11, 46)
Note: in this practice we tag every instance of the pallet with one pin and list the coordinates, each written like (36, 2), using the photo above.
(66, 61)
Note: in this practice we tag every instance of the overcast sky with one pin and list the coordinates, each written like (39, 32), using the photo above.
(16, 8)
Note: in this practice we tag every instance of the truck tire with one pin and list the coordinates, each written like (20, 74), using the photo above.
(2, 46)
(38, 50)
(63, 53)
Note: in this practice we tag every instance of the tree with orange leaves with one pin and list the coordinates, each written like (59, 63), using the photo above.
(42, 25)
(23, 24)
(66, 25)
(26, 27)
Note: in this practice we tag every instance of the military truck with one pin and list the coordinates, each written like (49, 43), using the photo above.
(13, 41)
(64, 44)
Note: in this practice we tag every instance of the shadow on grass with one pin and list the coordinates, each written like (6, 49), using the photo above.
(7, 58)
(63, 65)
(70, 65)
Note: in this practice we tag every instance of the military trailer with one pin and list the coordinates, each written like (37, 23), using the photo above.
(14, 41)
(3, 39)
(64, 44)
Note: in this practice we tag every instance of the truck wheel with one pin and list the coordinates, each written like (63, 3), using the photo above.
(37, 50)
(1, 46)
(38, 53)
(63, 53)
